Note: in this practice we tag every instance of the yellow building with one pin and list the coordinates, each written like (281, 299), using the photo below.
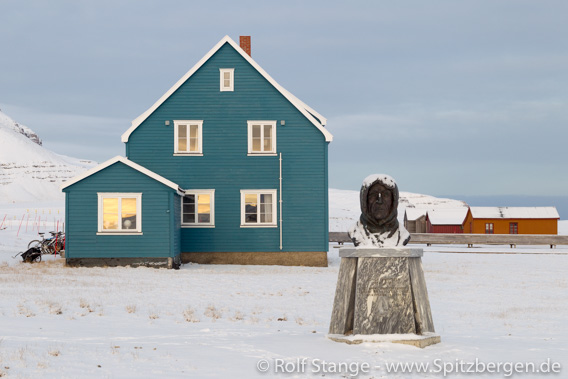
(511, 220)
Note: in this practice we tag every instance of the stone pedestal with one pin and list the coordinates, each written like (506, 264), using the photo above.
(381, 291)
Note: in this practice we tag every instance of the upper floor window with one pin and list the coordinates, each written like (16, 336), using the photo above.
(227, 79)
(262, 137)
(188, 137)
(198, 208)
(120, 213)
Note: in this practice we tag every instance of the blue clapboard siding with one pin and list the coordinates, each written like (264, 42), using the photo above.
(82, 216)
(175, 222)
(225, 165)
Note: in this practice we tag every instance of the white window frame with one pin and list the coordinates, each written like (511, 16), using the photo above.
(258, 224)
(222, 72)
(272, 152)
(120, 196)
(199, 124)
(197, 224)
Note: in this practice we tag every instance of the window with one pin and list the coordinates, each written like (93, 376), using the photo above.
(513, 228)
(258, 208)
(262, 137)
(120, 213)
(198, 208)
(188, 137)
(227, 79)
(488, 228)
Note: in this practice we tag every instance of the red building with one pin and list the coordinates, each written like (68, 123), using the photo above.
(446, 220)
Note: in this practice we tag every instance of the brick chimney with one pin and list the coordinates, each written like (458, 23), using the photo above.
(245, 44)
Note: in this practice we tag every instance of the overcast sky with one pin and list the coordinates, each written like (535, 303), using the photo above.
(448, 97)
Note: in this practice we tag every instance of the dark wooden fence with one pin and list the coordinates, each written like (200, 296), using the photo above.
(472, 239)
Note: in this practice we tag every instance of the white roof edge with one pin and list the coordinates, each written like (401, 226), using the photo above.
(301, 106)
(549, 212)
(127, 162)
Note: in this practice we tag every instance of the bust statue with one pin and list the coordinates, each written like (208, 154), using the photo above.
(378, 225)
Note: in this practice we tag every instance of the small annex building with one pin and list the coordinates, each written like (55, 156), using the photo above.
(105, 206)
(226, 167)
(512, 220)
(446, 220)
(415, 220)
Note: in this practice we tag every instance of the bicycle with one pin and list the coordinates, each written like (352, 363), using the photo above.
(52, 245)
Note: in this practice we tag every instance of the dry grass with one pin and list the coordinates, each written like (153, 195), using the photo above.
(213, 313)
(131, 308)
(189, 315)
(84, 304)
(238, 316)
(55, 308)
(25, 311)
(54, 352)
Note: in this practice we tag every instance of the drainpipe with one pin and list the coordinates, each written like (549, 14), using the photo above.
(280, 201)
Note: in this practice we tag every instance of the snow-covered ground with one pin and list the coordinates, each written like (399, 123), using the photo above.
(227, 321)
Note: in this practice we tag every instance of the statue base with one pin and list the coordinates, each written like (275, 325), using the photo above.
(381, 291)
(405, 339)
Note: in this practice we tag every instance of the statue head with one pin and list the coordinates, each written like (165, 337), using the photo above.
(379, 200)
(378, 224)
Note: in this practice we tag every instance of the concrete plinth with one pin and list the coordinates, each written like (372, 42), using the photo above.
(382, 291)
(405, 339)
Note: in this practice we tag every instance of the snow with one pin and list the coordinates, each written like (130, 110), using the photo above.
(447, 216)
(413, 214)
(494, 304)
(514, 212)
(490, 303)
(28, 171)
(563, 227)
(385, 179)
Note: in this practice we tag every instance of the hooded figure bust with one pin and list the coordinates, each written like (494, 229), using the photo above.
(378, 225)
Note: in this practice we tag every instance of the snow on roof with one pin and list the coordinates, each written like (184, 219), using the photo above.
(447, 216)
(314, 117)
(127, 162)
(413, 214)
(514, 212)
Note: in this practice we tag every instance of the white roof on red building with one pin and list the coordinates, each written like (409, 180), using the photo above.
(454, 216)
(515, 212)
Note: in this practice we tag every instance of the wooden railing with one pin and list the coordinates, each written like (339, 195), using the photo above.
(470, 239)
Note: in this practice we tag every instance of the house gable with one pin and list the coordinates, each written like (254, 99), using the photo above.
(313, 116)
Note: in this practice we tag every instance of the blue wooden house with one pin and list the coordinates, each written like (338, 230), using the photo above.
(226, 167)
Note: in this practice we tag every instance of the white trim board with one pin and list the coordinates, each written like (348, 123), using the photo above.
(307, 111)
(129, 163)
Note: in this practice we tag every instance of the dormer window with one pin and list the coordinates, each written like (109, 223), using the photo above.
(227, 79)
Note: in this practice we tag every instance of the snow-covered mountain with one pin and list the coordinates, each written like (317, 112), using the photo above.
(345, 209)
(28, 171)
